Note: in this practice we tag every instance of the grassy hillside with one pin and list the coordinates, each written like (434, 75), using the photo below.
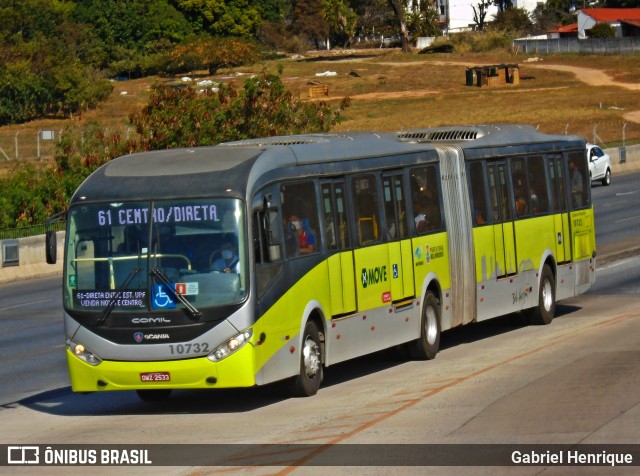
(393, 91)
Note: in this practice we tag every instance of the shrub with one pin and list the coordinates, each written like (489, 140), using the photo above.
(602, 30)
(263, 107)
(212, 53)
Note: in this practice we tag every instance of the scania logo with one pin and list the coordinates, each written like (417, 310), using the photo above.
(156, 336)
(140, 336)
(150, 320)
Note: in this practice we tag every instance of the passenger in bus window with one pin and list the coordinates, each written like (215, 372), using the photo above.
(535, 203)
(521, 203)
(576, 184)
(306, 237)
(300, 231)
(228, 261)
(421, 218)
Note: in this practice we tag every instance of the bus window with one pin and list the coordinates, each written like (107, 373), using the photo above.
(498, 192)
(365, 205)
(520, 187)
(336, 231)
(394, 207)
(478, 193)
(578, 180)
(556, 176)
(300, 219)
(425, 199)
(538, 192)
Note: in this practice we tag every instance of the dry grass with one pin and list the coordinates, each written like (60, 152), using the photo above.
(394, 91)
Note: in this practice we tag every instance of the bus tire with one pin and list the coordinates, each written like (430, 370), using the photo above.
(310, 375)
(154, 395)
(426, 347)
(544, 312)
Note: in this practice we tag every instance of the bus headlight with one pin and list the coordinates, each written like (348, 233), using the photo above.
(230, 346)
(82, 353)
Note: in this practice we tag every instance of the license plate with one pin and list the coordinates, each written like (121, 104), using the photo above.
(155, 377)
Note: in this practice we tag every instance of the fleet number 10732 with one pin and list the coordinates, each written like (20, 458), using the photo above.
(181, 349)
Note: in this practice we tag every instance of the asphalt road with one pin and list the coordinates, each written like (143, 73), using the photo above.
(574, 382)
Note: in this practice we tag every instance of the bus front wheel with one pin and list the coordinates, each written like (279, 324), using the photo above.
(426, 347)
(310, 375)
(545, 310)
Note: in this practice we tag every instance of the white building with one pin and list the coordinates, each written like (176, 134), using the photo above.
(457, 15)
(623, 20)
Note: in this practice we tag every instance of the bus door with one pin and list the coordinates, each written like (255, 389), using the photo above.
(371, 255)
(561, 214)
(340, 261)
(503, 229)
(397, 229)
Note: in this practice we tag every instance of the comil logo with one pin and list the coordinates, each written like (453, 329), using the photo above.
(23, 455)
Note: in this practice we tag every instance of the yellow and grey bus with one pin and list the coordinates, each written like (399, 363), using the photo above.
(271, 259)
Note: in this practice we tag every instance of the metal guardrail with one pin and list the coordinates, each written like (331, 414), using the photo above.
(27, 231)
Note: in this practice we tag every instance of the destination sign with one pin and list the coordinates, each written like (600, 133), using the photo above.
(171, 214)
(101, 299)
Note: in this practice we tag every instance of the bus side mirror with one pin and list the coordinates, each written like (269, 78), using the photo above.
(51, 247)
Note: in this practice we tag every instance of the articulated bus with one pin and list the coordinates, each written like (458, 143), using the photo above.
(272, 259)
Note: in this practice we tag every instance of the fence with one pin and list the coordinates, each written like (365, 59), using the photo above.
(34, 230)
(601, 46)
(35, 144)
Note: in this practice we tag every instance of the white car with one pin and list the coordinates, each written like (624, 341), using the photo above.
(599, 164)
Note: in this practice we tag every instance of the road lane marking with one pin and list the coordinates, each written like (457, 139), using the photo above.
(23, 304)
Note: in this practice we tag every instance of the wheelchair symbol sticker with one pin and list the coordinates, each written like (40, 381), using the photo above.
(162, 297)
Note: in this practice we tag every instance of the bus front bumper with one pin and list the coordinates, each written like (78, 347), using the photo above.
(236, 370)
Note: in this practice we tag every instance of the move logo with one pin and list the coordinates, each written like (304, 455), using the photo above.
(373, 275)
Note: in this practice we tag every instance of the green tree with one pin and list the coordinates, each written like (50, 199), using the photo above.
(263, 107)
(222, 17)
(205, 52)
(341, 19)
(309, 21)
(128, 32)
(480, 12)
(398, 7)
(513, 21)
(601, 30)
(548, 16)
(423, 22)
(23, 94)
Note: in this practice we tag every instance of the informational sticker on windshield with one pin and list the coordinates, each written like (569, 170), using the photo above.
(187, 289)
(100, 299)
(155, 377)
(163, 297)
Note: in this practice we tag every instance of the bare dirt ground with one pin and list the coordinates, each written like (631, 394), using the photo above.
(595, 77)
(591, 76)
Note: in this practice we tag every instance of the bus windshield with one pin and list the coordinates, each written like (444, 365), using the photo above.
(155, 255)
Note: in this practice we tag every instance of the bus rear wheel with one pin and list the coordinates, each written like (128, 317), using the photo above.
(310, 375)
(543, 313)
(153, 395)
(427, 346)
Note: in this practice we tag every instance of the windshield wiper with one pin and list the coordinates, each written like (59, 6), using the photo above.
(165, 280)
(112, 302)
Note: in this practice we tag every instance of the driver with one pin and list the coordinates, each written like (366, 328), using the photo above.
(228, 261)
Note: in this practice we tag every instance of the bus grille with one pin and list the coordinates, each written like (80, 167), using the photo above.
(439, 136)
